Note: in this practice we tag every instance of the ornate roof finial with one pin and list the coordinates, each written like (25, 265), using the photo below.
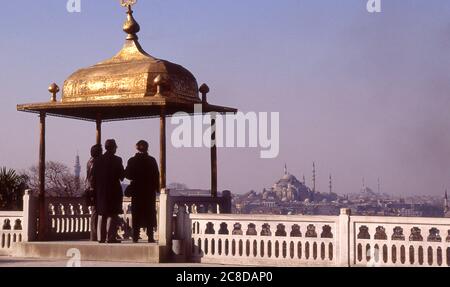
(204, 90)
(53, 89)
(131, 27)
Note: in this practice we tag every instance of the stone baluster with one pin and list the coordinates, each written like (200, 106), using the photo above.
(325, 251)
(416, 253)
(216, 238)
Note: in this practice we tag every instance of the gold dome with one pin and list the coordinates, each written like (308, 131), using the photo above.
(130, 85)
(130, 75)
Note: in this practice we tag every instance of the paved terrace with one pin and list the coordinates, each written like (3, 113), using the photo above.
(7, 261)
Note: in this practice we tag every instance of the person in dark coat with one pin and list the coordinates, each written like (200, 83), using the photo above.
(96, 152)
(142, 170)
(109, 173)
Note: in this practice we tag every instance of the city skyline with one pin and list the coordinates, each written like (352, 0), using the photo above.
(310, 182)
(358, 94)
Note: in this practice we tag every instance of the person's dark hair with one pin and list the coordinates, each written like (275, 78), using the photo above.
(142, 146)
(96, 150)
(110, 145)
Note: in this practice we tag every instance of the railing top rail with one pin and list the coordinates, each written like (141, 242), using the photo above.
(11, 214)
(197, 199)
(75, 201)
(400, 220)
(258, 217)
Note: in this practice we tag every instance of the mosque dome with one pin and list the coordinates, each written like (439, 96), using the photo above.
(289, 188)
(288, 177)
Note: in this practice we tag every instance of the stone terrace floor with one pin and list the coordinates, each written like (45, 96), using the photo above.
(6, 261)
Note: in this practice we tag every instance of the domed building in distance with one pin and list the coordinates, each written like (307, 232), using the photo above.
(288, 189)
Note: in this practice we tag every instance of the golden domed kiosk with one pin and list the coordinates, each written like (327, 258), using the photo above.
(130, 85)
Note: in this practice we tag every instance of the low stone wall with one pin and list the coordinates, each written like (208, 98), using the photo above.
(265, 240)
(269, 240)
(70, 219)
(395, 241)
(11, 230)
(343, 240)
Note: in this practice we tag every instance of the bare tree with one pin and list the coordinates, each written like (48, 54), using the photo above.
(59, 180)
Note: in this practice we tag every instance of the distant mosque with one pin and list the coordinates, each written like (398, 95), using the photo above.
(289, 188)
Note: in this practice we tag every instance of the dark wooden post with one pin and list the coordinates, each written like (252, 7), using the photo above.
(204, 90)
(42, 207)
(213, 156)
(98, 130)
(162, 145)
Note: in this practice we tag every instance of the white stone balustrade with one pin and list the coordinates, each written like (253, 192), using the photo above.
(67, 219)
(264, 240)
(168, 205)
(394, 241)
(11, 230)
(18, 226)
(344, 240)
(254, 240)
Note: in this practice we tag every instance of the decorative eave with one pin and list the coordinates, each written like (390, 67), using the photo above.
(119, 110)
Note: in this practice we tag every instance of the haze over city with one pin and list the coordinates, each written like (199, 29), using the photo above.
(362, 95)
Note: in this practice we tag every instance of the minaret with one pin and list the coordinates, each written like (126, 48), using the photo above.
(285, 169)
(331, 184)
(304, 180)
(379, 185)
(446, 209)
(314, 177)
(77, 172)
(363, 184)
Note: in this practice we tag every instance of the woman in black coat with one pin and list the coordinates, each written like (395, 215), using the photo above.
(142, 170)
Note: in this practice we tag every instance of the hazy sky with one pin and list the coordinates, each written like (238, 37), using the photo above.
(363, 95)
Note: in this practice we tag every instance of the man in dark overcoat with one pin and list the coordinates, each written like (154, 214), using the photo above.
(109, 173)
(142, 170)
